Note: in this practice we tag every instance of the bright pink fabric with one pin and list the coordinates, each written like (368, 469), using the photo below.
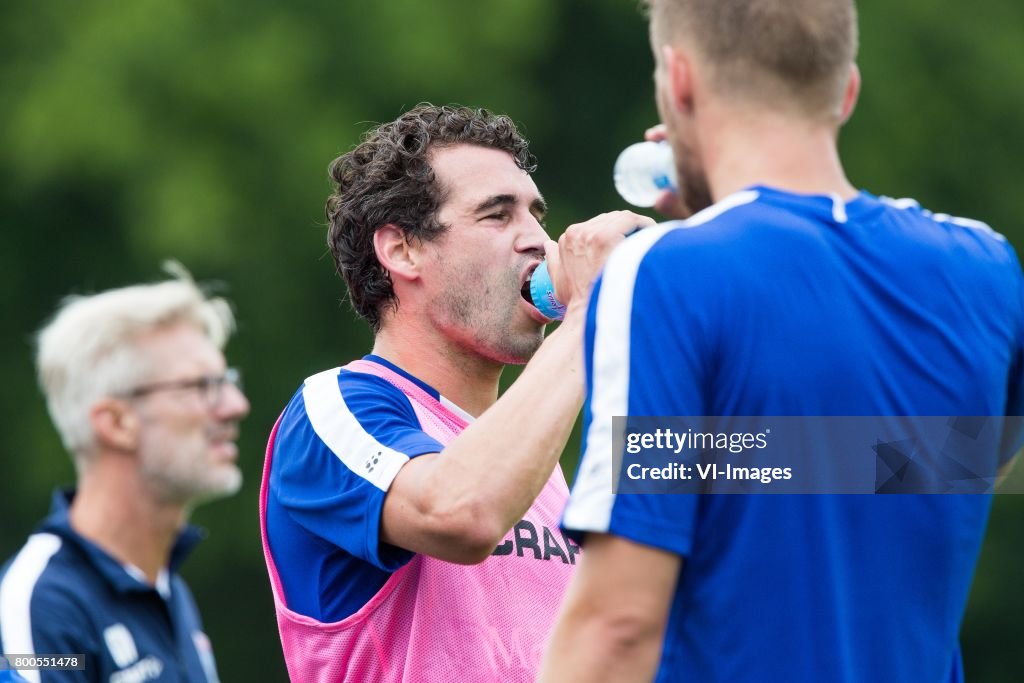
(434, 620)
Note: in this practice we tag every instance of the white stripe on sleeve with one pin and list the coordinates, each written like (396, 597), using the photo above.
(16, 596)
(590, 506)
(339, 429)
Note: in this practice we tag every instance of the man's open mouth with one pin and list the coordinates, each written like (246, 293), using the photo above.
(524, 291)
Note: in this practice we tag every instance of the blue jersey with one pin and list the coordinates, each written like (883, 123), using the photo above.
(340, 443)
(770, 303)
(62, 595)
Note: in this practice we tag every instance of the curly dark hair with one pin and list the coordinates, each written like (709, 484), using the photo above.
(387, 179)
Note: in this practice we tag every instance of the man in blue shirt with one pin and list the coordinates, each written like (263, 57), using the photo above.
(789, 293)
(137, 386)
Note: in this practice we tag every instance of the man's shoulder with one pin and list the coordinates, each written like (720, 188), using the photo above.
(350, 418)
(49, 579)
(708, 229)
(48, 599)
(707, 244)
(969, 237)
(346, 397)
(352, 387)
(772, 227)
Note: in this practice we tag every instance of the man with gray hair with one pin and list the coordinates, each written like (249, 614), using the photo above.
(137, 386)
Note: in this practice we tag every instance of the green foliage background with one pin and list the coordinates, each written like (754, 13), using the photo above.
(134, 132)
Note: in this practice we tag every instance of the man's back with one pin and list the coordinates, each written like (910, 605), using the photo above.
(780, 304)
(889, 312)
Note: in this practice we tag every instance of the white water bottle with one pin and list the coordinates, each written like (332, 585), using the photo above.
(643, 171)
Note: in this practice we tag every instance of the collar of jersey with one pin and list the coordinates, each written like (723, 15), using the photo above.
(107, 567)
(857, 208)
(434, 393)
(431, 391)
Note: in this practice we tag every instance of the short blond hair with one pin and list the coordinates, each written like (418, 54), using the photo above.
(778, 53)
(88, 350)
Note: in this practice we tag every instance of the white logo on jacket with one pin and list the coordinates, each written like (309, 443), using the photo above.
(120, 644)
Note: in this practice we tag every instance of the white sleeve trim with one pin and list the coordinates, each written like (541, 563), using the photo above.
(590, 506)
(16, 596)
(591, 502)
(718, 208)
(341, 432)
(969, 223)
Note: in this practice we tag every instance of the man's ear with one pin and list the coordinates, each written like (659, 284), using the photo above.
(850, 96)
(115, 424)
(396, 253)
(679, 77)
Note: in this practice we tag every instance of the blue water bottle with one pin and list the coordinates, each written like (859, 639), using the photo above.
(542, 293)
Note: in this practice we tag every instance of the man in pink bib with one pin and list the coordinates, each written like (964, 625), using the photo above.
(409, 515)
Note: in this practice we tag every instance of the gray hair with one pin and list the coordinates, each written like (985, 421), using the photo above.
(87, 351)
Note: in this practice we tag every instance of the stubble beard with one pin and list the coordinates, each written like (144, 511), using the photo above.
(693, 188)
(189, 481)
(694, 191)
(488, 318)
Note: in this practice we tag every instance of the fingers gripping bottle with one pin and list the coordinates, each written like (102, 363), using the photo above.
(643, 171)
(540, 291)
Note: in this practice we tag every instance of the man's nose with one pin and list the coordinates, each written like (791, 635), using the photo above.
(533, 237)
(233, 404)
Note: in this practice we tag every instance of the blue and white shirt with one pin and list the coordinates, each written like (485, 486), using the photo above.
(776, 304)
(62, 594)
(324, 502)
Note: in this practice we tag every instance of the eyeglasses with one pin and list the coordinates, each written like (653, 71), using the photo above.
(211, 387)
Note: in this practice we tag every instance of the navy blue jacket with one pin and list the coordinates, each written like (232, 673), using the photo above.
(62, 594)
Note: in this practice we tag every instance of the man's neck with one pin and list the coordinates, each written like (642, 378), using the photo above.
(111, 510)
(777, 151)
(464, 378)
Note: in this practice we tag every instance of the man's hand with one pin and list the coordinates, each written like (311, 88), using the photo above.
(668, 204)
(576, 259)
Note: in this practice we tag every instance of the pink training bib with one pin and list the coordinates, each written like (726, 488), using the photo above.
(434, 620)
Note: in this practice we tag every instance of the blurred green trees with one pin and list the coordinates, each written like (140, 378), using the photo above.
(133, 132)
